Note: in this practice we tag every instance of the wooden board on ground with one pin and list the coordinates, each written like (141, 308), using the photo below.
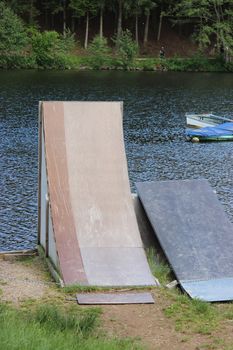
(114, 298)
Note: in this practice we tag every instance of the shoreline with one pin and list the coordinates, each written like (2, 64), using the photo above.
(148, 64)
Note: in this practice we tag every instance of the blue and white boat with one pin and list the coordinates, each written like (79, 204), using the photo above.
(222, 132)
(195, 120)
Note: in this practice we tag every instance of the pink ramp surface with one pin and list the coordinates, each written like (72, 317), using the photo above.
(95, 229)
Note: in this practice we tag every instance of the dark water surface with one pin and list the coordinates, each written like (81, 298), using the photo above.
(154, 122)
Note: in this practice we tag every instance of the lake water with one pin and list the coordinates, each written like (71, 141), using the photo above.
(154, 124)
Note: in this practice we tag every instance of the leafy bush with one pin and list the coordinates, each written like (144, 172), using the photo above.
(67, 41)
(99, 52)
(127, 49)
(49, 49)
(196, 63)
(229, 66)
(17, 62)
(148, 64)
(13, 36)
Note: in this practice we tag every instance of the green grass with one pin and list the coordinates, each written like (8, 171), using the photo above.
(158, 268)
(27, 260)
(49, 327)
(77, 288)
(51, 316)
(216, 344)
(197, 63)
(193, 315)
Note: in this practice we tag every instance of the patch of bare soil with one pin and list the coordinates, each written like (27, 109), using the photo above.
(148, 323)
(24, 279)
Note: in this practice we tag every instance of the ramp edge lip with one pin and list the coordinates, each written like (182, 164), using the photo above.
(211, 290)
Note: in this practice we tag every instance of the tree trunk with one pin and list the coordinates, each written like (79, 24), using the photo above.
(52, 21)
(31, 12)
(136, 29)
(64, 19)
(160, 26)
(46, 19)
(218, 20)
(101, 22)
(73, 24)
(87, 30)
(119, 24)
(145, 40)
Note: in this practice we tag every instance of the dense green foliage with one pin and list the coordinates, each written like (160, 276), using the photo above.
(43, 34)
(49, 49)
(214, 19)
(99, 53)
(13, 36)
(127, 49)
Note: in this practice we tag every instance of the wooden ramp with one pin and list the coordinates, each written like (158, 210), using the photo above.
(195, 235)
(87, 224)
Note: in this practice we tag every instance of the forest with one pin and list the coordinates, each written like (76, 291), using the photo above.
(125, 27)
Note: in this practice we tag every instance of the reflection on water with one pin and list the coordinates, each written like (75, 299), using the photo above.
(154, 107)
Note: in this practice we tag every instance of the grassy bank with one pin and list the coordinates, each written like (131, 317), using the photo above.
(88, 62)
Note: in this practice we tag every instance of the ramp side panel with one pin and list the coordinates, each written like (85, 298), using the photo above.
(43, 202)
(98, 176)
(52, 245)
(71, 265)
(191, 226)
(43, 192)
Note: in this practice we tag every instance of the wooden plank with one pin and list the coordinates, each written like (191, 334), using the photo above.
(19, 252)
(114, 298)
(70, 259)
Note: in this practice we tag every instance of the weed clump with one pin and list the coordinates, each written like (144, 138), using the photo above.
(51, 327)
(193, 315)
(158, 268)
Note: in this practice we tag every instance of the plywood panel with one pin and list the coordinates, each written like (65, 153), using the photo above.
(95, 227)
(114, 298)
(193, 231)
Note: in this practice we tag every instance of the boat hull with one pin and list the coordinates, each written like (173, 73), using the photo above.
(204, 120)
(222, 132)
(212, 138)
(193, 123)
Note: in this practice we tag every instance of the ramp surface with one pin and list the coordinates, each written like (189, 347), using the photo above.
(94, 224)
(194, 233)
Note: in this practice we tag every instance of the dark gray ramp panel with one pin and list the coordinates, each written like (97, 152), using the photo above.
(194, 233)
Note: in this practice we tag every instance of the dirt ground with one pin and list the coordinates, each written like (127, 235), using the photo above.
(23, 280)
